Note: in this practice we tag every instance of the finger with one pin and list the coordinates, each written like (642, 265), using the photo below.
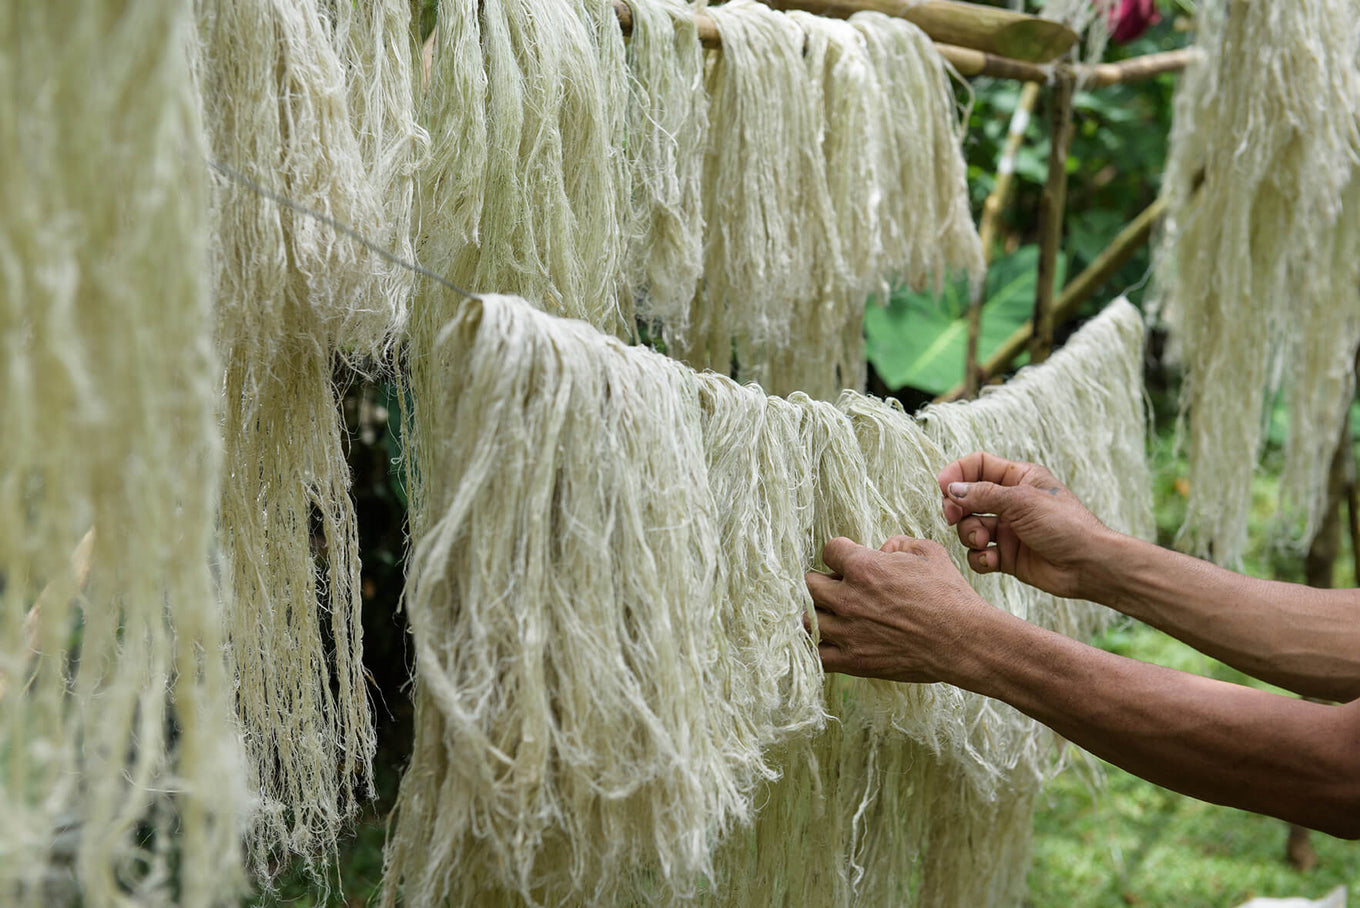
(1007, 547)
(901, 544)
(983, 467)
(833, 658)
(984, 561)
(828, 624)
(821, 588)
(836, 552)
(983, 497)
(977, 532)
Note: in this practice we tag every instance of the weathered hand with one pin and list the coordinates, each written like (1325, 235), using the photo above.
(893, 613)
(1016, 517)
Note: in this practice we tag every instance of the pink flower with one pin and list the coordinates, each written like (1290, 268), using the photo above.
(1131, 18)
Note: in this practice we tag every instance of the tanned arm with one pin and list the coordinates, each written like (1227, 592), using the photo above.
(1016, 517)
(905, 613)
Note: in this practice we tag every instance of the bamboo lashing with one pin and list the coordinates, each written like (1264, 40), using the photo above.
(1114, 257)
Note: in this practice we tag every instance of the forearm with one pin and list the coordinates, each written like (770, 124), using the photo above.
(1302, 639)
(1218, 742)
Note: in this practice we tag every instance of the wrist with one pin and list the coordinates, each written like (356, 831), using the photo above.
(982, 649)
(1103, 565)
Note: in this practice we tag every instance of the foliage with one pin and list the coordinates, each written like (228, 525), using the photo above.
(1114, 165)
(919, 338)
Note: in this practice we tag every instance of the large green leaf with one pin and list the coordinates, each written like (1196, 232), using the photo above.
(919, 340)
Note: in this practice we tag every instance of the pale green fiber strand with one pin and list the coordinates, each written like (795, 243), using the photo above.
(932, 802)
(606, 596)
(526, 188)
(667, 132)
(121, 764)
(1263, 147)
(293, 294)
(771, 250)
(927, 227)
(580, 710)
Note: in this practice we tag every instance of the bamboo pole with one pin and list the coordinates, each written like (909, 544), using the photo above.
(967, 61)
(1120, 250)
(991, 214)
(990, 29)
(1135, 69)
(1052, 205)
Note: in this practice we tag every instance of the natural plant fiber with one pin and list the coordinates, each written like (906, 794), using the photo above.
(771, 250)
(525, 190)
(834, 171)
(1088, 18)
(121, 764)
(1080, 414)
(580, 710)
(928, 230)
(667, 132)
(294, 295)
(924, 794)
(606, 591)
(1256, 270)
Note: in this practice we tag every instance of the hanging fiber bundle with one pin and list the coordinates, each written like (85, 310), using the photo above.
(771, 250)
(121, 764)
(1081, 414)
(293, 295)
(924, 794)
(525, 190)
(1263, 148)
(667, 132)
(606, 595)
(580, 712)
(928, 228)
(373, 39)
(826, 348)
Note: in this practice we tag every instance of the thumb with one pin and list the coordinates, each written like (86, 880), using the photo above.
(982, 497)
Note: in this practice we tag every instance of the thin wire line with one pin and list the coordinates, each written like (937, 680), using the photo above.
(238, 177)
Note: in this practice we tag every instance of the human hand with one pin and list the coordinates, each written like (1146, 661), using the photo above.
(898, 613)
(1017, 518)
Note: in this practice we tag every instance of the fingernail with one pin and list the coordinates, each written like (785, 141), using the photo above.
(958, 489)
(972, 539)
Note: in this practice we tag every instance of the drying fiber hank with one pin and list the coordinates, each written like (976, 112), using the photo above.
(667, 133)
(122, 772)
(1256, 270)
(294, 298)
(581, 713)
(923, 794)
(771, 247)
(526, 188)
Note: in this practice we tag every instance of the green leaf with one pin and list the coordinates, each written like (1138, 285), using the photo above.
(920, 340)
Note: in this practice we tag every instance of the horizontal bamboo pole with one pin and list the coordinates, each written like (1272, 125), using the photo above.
(1134, 69)
(968, 61)
(1120, 250)
(990, 29)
